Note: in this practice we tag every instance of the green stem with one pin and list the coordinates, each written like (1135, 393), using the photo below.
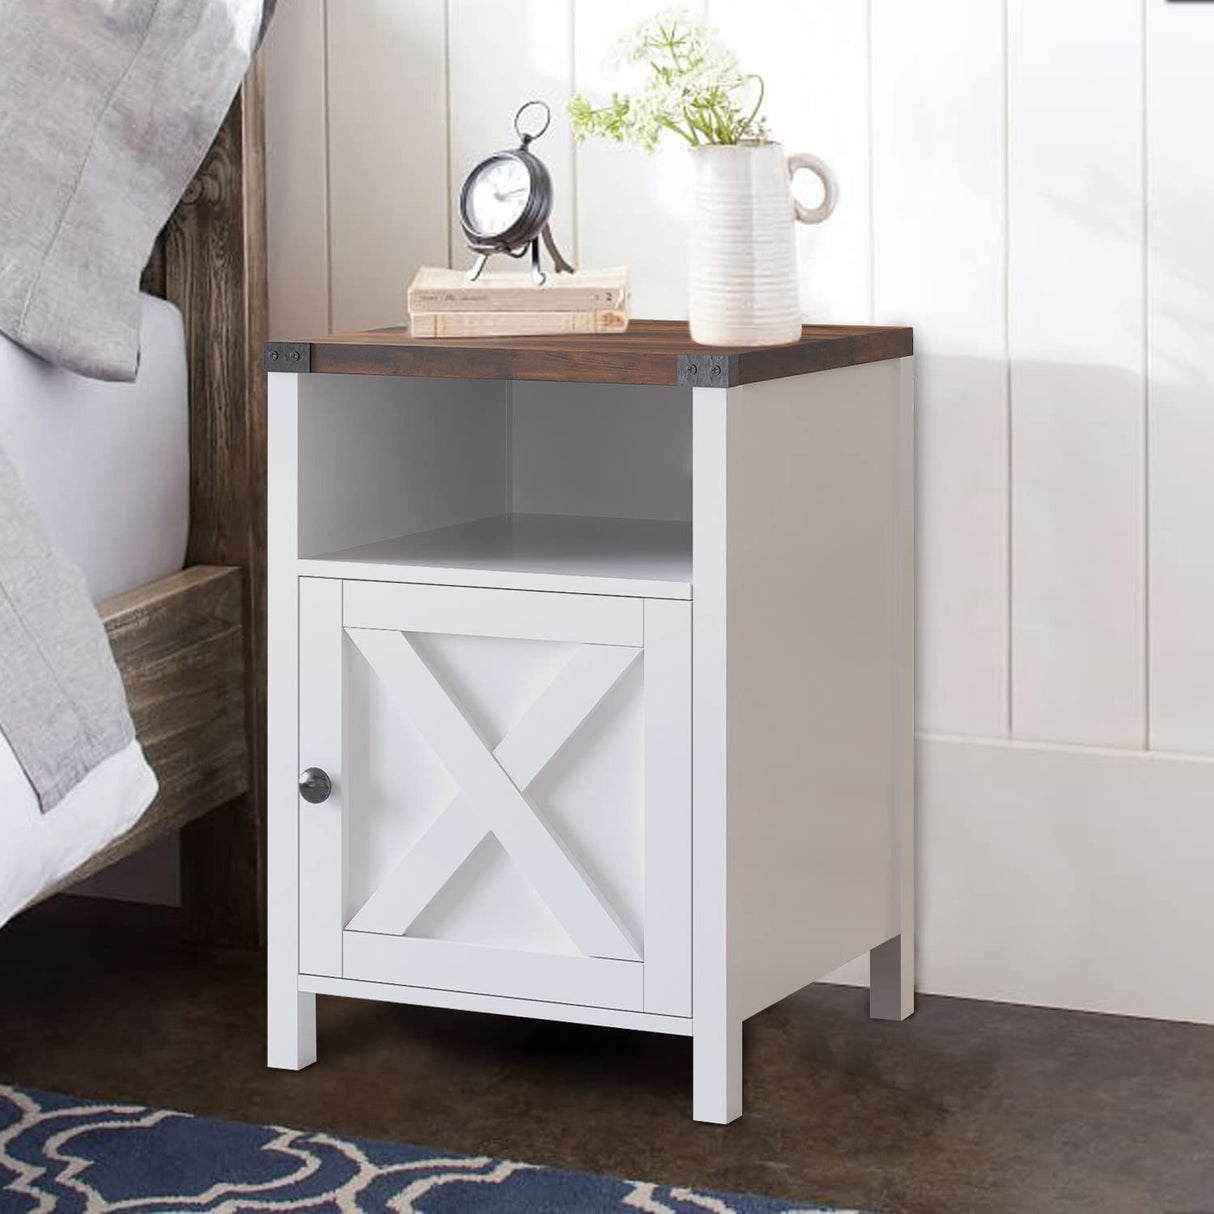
(759, 103)
(678, 130)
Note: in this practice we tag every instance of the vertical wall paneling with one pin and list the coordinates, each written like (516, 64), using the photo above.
(631, 207)
(816, 78)
(501, 55)
(1180, 318)
(296, 176)
(1077, 347)
(389, 184)
(938, 121)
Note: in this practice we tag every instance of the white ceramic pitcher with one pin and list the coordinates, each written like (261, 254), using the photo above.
(743, 286)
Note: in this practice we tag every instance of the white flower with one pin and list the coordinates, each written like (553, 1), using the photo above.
(686, 81)
(635, 45)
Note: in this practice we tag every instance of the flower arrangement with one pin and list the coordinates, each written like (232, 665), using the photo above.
(694, 89)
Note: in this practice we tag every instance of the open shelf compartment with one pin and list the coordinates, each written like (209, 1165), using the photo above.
(582, 488)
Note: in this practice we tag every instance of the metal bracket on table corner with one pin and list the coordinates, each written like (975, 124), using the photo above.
(708, 370)
(288, 356)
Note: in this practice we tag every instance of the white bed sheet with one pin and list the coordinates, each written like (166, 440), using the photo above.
(37, 849)
(106, 464)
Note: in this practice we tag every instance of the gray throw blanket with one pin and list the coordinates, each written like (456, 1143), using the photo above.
(62, 705)
(107, 108)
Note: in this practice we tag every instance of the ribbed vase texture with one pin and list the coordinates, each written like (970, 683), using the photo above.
(743, 286)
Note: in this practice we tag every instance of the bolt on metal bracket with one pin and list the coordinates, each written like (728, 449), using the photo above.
(708, 370)
(288, 356)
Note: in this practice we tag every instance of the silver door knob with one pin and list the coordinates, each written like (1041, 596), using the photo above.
(315, 785)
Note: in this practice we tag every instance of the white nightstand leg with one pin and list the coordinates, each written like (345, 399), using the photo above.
(892, 974)
(891, 984)
(291, 1029)
(717, 1071)
(717, 1035)
(290, 1014)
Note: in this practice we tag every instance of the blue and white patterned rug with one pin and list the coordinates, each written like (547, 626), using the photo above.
(63, 1154)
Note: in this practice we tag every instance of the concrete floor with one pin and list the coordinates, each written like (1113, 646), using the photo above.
(968, 1107)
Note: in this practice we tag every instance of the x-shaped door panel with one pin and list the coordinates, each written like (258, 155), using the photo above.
(493, 792)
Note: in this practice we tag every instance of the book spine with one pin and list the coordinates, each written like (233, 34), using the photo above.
(516, 324)
(556, 298)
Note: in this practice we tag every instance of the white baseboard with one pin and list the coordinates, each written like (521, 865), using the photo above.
(1064, 876)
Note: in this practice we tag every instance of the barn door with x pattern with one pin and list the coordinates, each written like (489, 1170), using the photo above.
(512, 810)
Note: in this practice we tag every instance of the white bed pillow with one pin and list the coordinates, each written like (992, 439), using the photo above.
(40, 849)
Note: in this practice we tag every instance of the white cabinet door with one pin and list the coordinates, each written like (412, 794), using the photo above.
(511, 806)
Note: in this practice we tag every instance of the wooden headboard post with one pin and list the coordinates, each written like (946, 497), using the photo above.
(212, 265)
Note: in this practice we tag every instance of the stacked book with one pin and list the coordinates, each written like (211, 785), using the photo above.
(443, 303)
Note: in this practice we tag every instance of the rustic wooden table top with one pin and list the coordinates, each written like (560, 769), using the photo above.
(650, 352)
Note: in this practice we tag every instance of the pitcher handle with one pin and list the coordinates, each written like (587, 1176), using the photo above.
(803, 160)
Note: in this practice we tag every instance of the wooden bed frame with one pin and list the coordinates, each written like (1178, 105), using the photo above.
(191, 647)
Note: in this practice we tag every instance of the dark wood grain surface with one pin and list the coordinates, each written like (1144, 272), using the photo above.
(647, 353)
(179, 644)
(215, 272)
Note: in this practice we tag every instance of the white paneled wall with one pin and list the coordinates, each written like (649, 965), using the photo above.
(1077, 344)
(939, 252)
(1180, 367)
(1027, 182)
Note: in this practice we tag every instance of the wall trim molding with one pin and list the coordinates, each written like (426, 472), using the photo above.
(1076, 748)
(1064, 876)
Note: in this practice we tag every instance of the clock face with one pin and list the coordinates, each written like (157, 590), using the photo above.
(496, 195)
